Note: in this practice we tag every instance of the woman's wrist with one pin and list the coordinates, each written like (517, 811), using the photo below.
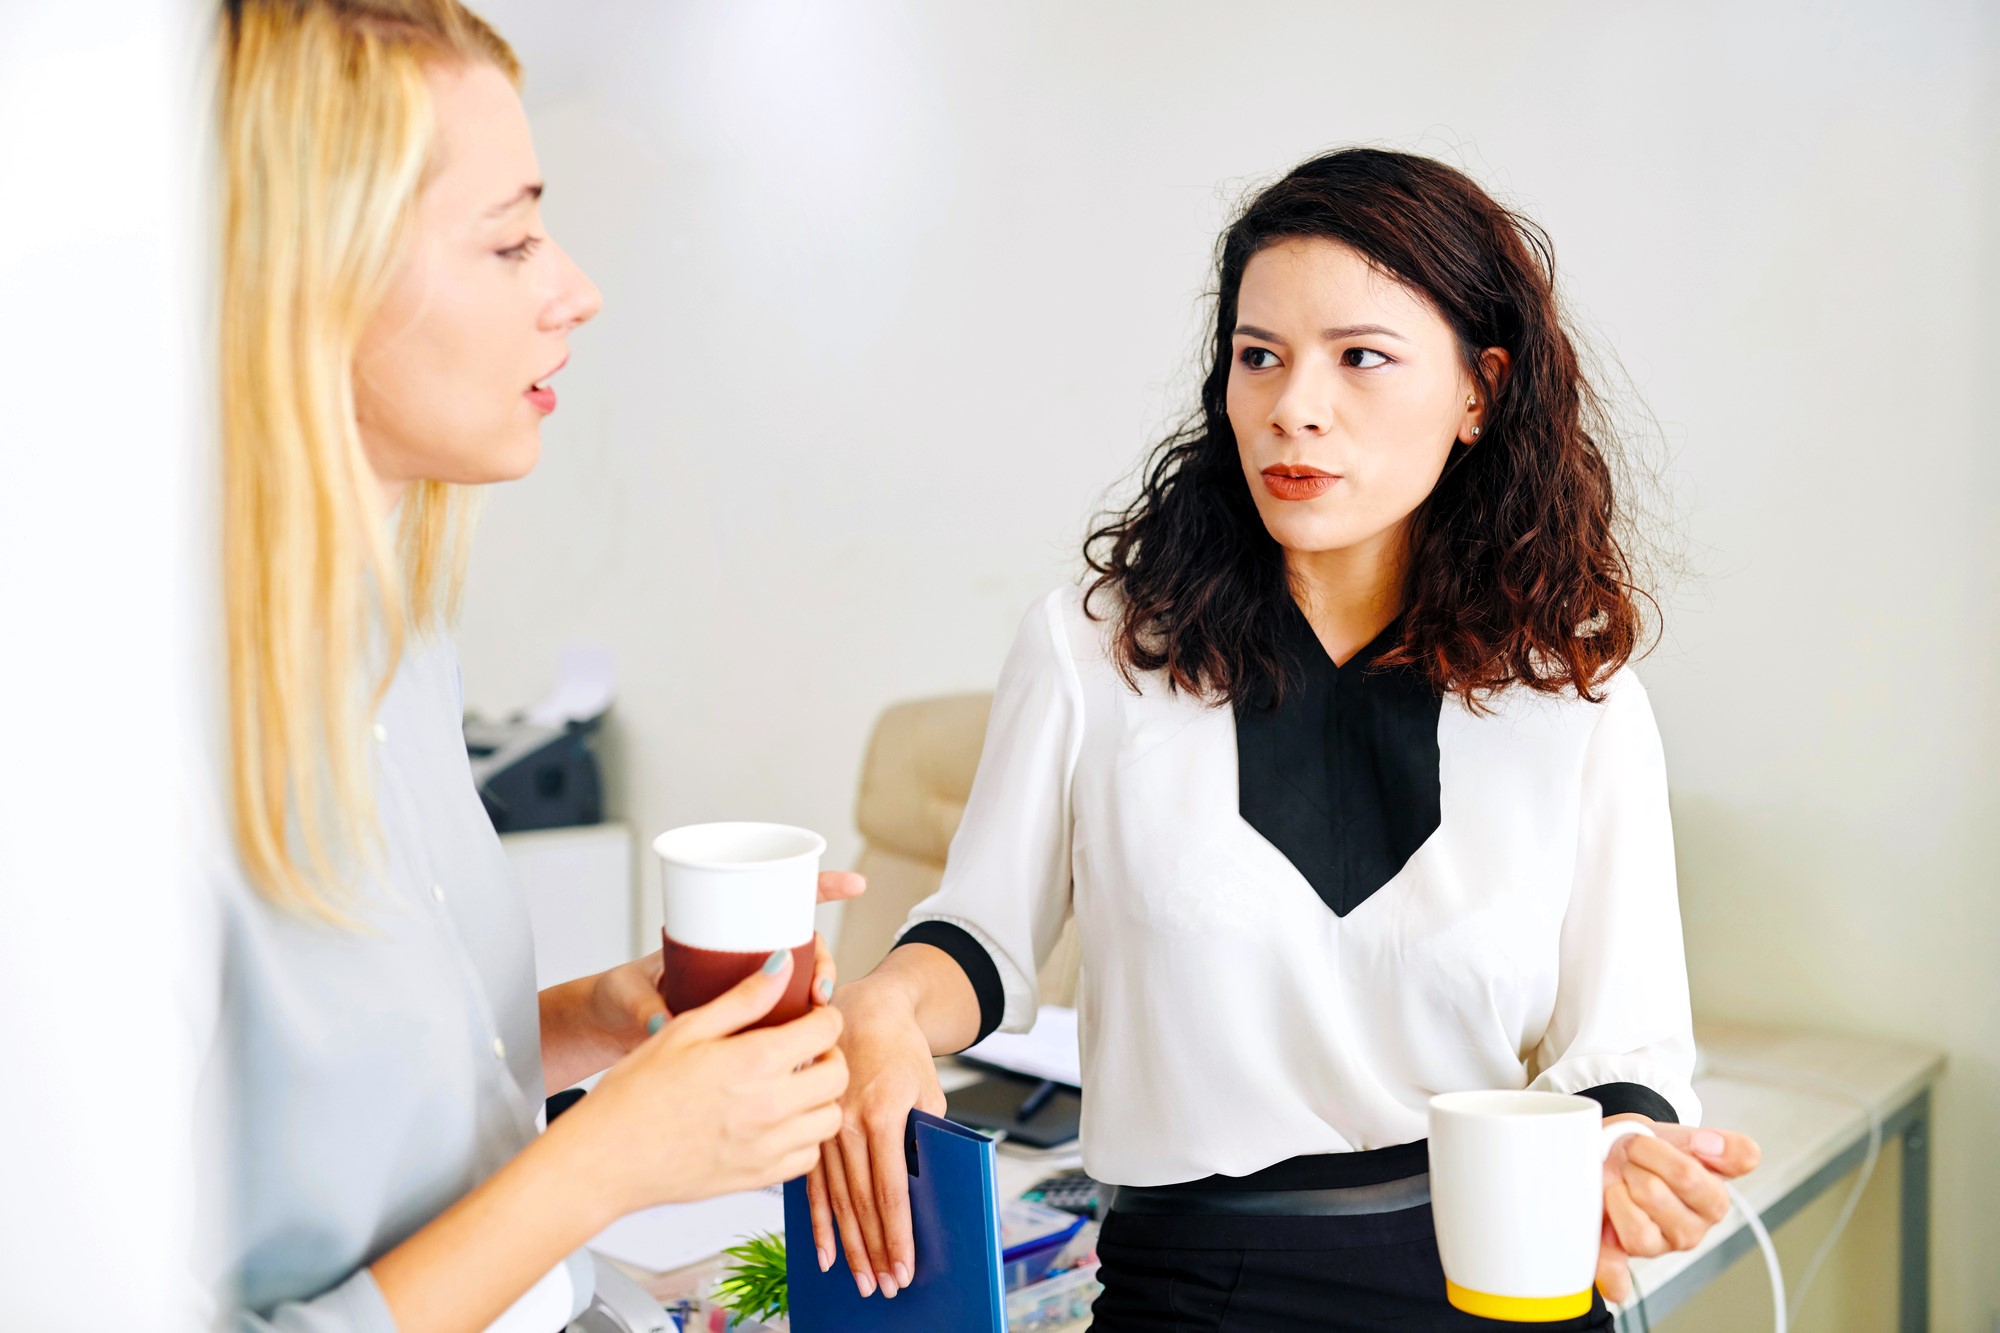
(879, 992)
(573, 1160)
(562, 1178)
(920, 985)
(877, 998)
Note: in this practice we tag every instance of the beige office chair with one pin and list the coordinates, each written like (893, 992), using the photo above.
(913, 788)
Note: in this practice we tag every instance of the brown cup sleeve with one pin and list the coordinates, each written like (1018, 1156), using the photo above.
(692, 977)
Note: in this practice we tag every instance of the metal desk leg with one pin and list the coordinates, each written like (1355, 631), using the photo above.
(1914, 1274)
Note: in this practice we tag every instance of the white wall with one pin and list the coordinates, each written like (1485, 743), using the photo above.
(894, 292)
(105, 954)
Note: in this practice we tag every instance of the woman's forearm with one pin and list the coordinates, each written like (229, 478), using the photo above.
(480, 1255)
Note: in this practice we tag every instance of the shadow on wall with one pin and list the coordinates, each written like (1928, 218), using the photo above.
(1800, 917)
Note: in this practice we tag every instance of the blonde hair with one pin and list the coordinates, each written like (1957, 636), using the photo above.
(326, 138)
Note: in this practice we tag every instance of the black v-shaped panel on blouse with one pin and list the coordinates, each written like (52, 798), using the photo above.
(1341, 777)
(1290, 939)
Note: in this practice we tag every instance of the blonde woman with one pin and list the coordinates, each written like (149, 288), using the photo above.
(393, 309)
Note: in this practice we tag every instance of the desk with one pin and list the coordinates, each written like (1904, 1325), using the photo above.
(1811, 1139)
(1015, 1170)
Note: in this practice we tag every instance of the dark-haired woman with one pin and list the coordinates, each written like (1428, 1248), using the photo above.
(1341, 770)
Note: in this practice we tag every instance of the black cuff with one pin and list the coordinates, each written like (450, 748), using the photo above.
(972, 958)
(1624, 1098)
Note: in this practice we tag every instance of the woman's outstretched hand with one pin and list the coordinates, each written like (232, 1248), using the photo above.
(1663, 1193)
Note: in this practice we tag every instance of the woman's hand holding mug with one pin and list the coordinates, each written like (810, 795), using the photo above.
(1530, 1190)
(1662, 1192)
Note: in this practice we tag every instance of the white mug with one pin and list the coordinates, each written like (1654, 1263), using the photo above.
(1517, 1196)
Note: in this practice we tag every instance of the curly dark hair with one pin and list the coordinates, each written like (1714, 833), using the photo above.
(1515, 573)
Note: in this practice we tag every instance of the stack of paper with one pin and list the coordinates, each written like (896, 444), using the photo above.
(1047, 1050)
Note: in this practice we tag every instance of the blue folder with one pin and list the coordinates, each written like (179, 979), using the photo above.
(955, 1218)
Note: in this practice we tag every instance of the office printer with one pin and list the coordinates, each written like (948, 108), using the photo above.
(533, 776)
(536, 769)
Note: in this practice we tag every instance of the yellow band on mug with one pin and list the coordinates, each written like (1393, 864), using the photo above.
(1520, 1309)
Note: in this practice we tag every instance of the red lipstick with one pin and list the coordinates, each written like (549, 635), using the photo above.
(1297, 481)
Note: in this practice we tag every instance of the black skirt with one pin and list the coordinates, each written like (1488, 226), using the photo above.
(1228, 1272)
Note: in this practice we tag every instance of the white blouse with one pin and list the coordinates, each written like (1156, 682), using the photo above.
(1232, 1017)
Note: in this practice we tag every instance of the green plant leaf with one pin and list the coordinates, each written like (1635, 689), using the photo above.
(753, 1286)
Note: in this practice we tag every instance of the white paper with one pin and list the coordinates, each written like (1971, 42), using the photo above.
(1047, 1050)
(583, 688)
(675, 1235)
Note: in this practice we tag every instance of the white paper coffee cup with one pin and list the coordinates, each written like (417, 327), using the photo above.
(739, 887)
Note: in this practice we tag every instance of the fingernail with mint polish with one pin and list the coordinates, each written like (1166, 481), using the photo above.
(655, 1023)
(776, 961)
(826, 990)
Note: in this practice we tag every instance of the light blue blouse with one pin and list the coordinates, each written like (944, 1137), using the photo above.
(372, 1076)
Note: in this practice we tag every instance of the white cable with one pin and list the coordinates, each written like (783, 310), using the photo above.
(1757, 1229)
(1840, 1222)
(1779, 1316)
(1786, 1312)
(1813, 1083)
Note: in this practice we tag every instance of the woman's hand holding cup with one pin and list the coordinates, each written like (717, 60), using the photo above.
(1662, 1192)
(699, 1104)
(624, 1000)
(702, 1107)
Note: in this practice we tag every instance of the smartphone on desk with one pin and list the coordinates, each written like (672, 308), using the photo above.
(1028, 1110)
